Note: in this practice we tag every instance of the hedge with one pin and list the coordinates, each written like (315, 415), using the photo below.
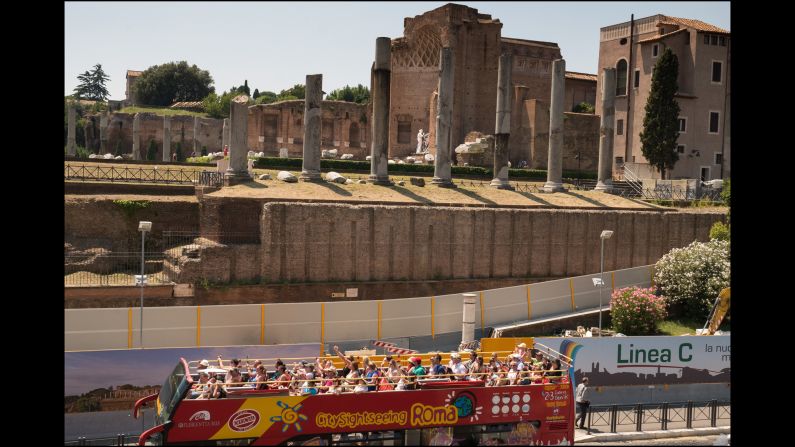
(356, 165)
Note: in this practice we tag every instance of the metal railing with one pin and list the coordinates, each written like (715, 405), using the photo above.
(118, 440)
(155, 174)
(116, 269)
(658, 416)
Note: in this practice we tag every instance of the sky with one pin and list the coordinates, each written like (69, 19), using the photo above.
(274, 45)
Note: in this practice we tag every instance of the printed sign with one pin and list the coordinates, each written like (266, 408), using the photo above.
(618, 361)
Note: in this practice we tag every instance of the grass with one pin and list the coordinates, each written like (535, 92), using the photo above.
(682, 326)
(162, 111)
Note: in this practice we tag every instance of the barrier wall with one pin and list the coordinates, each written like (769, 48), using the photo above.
(194, 326)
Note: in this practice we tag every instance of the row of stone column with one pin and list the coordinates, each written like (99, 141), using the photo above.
(235, 128)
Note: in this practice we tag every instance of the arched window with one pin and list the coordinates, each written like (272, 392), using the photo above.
(621, 77)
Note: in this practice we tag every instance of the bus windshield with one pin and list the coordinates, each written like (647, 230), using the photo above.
(173, 390)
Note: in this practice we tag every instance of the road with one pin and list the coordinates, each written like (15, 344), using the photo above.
(685, 440)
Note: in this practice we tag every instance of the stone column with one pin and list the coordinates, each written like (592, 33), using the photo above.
(310, 170)
(238, 150)
(225, 134)
(555, 160)
(196, 148)
(379, 145)
(136, 147)
(468, 320)
(103, 133)
(502, 128)
(71, 145)
(444, 120)
(605, 177)
(166, 138)
(88, 131)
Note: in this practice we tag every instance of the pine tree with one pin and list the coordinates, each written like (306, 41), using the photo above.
(92, 85)
(661, 119)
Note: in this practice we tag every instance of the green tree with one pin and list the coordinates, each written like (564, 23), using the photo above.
(256, 94)
(266, 97)
(298, 91)
(92, 85)
(359, 94)
(218, 106)
(168, 83)
(660, 122)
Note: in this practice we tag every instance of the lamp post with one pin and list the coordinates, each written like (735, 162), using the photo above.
(143, 227)
(605, 235)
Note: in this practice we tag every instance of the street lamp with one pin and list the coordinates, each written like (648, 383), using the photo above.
(143, 227)
(605, 235)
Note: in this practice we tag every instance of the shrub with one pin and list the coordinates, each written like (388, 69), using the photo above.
(636, 311)
(584, 107)
(719, 231)
(81, 152)
(694, 275)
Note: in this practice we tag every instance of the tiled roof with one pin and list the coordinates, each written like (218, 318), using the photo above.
(134, 73)
(696, 24)
(580, 76)
(662, 36)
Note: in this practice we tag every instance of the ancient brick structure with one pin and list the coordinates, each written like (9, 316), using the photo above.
(345, 127)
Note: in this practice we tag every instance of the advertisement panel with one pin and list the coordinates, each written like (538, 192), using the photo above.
(619, 361)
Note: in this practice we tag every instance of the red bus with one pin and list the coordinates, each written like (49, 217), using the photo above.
(435, 413)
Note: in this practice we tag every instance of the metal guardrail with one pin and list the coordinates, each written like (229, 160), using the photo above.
(119, 440)
(660, 415)
(142, 175)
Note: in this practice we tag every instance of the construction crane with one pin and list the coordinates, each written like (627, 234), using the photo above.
(719, 309)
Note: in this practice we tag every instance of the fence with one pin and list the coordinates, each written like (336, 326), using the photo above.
(113, 269)
(118, 440)
(142, 175)
(282, 323)
(662, 416)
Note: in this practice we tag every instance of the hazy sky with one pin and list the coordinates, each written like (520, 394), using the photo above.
(276, 44)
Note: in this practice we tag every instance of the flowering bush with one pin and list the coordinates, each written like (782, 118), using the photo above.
(694, 275)
(636, 311)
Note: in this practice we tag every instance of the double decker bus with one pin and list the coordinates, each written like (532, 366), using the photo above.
(436, 412)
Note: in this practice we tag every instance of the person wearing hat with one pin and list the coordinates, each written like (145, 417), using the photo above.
(417, 370)
(521, 349)
(204, 364)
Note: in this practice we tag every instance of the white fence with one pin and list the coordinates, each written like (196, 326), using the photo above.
(246, 324)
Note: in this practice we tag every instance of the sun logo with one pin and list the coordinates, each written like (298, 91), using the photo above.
(465, 405)
(289, 416)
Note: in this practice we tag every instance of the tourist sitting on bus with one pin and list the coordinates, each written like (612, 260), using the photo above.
(525, 377)
(537, 375)
(386, 361)
(538, 358)
(235, 363)
(348, 361)
(217, 389)
(416, 371)
(494, 360)
(384, 384)
(234, 378)
(473, 355)
(513, 374)
(516, 357)
(458, 368)
(361, 386)
(555, 373)
(308, 387)
(329, 383)
(494, 376)
(261, 378)
(276, 372)
(201, 386)
(282, 377)
(437, 369)
(352, 378)
(477, 371)
(521, 349)
(372, 376)
(204, 364)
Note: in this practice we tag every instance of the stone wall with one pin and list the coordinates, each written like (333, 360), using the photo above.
(120, 127)
(580, 137)
(346, 127)
(319, 242)
(89, 222)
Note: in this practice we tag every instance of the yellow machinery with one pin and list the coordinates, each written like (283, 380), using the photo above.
(719, 309)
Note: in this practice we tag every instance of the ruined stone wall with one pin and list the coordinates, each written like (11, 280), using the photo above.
(346, 127)
(101, 223)
(581, 139)
(121, 124)
(319, 242)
